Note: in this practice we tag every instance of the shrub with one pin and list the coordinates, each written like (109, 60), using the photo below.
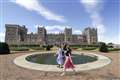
(31, 45)
(19, 49)
(89, 48)
(74, 48)
(37, 48)
(48, 47)
(4, 48)
(103, 47)
(114, 49)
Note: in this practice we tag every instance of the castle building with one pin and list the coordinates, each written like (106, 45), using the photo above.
(68, 35)
(90, 35)
(17, 35)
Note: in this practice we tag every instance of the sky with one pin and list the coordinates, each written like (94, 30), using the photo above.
(55, 15)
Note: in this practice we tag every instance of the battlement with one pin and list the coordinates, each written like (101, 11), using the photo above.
(16, 34)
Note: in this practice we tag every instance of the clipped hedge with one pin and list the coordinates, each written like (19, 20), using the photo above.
(37, 48)
(83, 45)
(103, 47)
(74, 48)
(4, 48)
(48, 47)
(114, 49)
(89, 48)
(20, 49)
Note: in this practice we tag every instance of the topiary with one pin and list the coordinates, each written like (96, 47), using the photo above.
(4, 48)
(103, 47)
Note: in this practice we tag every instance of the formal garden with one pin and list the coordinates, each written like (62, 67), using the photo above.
(41, 59)
(102, 47)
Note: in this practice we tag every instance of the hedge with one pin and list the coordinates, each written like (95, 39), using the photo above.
(89, 48)
(114, 49)
(20, 49)
(103, 47)
(4, 48)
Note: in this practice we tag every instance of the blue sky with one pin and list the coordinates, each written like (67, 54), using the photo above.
(55, 15)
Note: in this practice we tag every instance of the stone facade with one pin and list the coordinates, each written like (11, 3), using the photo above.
(90, 35)
(16, 34)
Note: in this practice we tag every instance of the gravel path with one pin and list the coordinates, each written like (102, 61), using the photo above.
(9, 71)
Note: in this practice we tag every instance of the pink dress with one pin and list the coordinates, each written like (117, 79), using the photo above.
(68, 63)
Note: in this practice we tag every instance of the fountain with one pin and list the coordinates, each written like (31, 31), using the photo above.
(46, 61)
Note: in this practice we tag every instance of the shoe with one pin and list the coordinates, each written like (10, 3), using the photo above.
(62, 74)
(58, 66)
(61, 66)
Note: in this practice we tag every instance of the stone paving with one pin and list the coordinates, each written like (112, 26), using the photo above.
(10, 71)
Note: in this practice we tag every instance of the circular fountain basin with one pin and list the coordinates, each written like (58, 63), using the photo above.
(46, 61)
(50, 58)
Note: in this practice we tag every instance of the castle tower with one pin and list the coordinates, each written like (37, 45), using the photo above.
(15, 34)
(23, 33)
(11, 34)
(90, 35)
(42, 35)
(68, 35)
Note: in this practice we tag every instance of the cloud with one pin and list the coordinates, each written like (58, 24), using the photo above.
(58, 29)
(93, 7)
(114, 39)
(119, 35)
(89, 4)
(54, 28)
(2, 36)
(77, 31)
(35, 5)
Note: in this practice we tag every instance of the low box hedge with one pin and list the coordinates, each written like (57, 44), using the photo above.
(114, 49)
(37, 48)
(89, 48)
(20, 49)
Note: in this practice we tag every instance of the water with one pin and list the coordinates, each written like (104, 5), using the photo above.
(50, 59)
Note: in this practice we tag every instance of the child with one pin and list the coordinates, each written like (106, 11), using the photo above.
(68, 61)
(60, 59)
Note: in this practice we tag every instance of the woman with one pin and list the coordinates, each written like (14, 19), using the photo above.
(68, 61)
(60, 60)
(64, 51)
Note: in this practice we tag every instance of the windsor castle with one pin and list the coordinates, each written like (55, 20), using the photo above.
(18, 35)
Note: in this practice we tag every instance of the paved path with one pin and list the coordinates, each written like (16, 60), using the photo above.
(9, 71)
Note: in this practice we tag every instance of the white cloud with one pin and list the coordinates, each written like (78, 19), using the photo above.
(119, 35)
(2, 36)
(58, 29)
(114, 39)
(89, 4)
(77, 32)
(35, 5)
(54, 28)
(93, 7)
